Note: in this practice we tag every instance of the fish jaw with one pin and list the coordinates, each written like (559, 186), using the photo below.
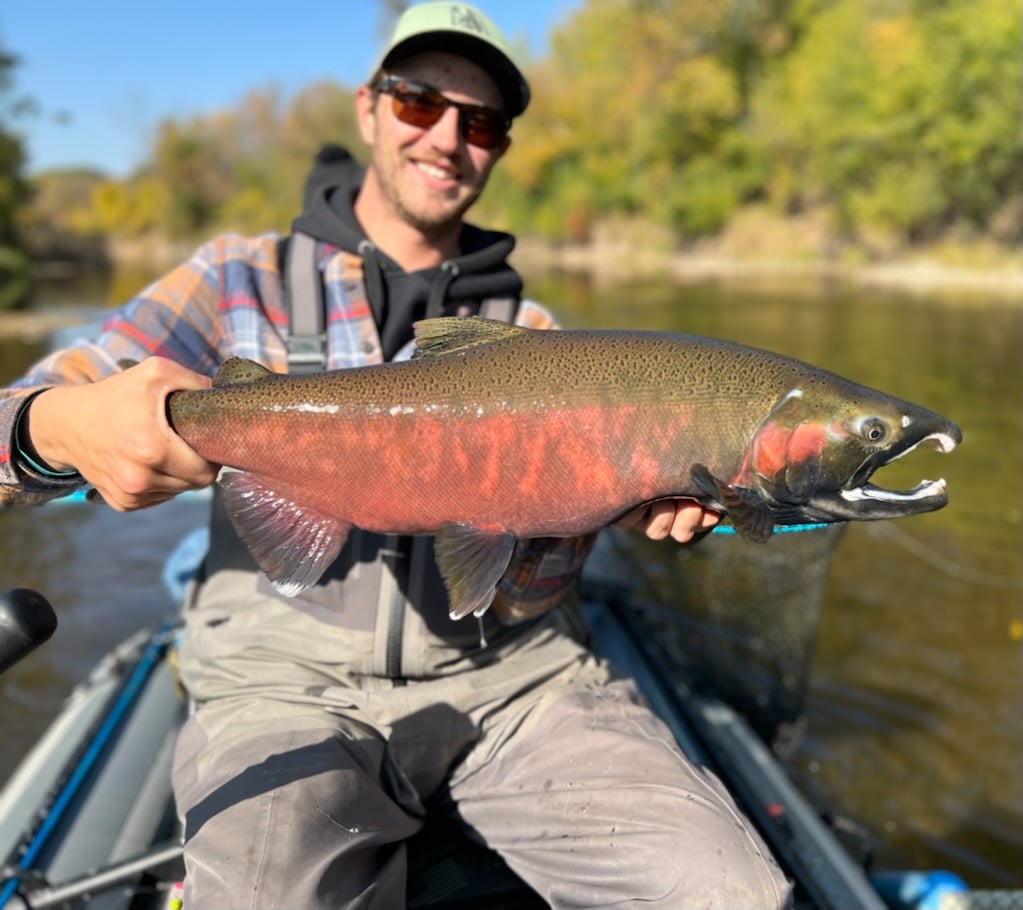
(868, 502)
(861, 500)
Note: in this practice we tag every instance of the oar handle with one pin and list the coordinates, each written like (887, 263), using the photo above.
(26, 621)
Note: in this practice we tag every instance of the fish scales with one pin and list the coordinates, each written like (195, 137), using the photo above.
(494, 433)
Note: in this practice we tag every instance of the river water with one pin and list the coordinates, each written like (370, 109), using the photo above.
(913, 714)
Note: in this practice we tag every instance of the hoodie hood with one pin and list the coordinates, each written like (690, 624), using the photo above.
(398, 298)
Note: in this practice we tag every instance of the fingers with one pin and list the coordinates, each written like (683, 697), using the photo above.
(115, 433)
(167, 456)
(679, 519)
(152, 463)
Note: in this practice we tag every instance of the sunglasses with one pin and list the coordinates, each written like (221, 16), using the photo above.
(422, 106)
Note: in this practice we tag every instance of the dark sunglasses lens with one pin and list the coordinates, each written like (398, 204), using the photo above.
(484, 129)
(420, 109)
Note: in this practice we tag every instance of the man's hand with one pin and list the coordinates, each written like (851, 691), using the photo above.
(679, 519)
(115, 434)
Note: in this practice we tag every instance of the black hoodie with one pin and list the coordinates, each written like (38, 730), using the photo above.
(398, 298)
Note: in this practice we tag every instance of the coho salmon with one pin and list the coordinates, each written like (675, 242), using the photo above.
(493, 433)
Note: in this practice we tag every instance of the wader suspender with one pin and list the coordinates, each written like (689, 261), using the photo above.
(307, 334)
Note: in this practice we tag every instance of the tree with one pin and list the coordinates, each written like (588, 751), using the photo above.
(243, 169)
(902, 116)
(642, 112)
(15, 283)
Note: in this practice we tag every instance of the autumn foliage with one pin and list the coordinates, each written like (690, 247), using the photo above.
(891, 118)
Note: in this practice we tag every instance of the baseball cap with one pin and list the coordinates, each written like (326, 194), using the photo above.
(458, 28)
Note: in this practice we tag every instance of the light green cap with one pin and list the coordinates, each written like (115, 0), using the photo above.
(458, 28)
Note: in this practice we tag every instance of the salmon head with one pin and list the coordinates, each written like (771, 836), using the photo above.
(812, 459)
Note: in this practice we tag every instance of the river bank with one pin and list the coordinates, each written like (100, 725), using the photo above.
(758, 247)
(917, 276)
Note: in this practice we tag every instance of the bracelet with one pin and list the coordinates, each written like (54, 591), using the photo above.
(22, 445)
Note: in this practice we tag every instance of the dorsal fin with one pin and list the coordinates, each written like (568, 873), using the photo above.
(239, 371)
(449, 334)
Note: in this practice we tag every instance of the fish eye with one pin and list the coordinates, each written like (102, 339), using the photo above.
(873, 429)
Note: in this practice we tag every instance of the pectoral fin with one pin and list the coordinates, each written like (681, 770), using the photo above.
(471, 562)
(293, 544)
(747, 511)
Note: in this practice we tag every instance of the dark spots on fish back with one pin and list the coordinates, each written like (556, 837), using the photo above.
(557, 361)
(547, 364)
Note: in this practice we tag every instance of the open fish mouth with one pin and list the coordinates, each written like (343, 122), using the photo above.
(863, 501)
(925, 490)
(857, 486)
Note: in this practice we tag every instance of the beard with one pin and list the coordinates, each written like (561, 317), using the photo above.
(431, 213)
(438, 221)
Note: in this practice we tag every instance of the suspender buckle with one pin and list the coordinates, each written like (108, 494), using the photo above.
(307, 353)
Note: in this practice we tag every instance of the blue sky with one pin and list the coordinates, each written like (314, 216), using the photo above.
(116, 68)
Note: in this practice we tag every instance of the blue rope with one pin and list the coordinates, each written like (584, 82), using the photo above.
(780, 529)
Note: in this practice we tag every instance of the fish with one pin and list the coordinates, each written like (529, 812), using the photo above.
(492, 434)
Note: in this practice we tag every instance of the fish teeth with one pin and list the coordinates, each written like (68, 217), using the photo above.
(923, 490)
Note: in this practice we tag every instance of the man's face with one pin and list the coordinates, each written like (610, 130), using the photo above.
(430, 177)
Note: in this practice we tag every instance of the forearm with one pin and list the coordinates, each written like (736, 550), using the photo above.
(25, 476)
(21, 481)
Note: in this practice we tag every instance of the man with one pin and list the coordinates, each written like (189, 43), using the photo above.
(323, 722)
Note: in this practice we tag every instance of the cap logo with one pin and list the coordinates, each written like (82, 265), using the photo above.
(466, 18)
